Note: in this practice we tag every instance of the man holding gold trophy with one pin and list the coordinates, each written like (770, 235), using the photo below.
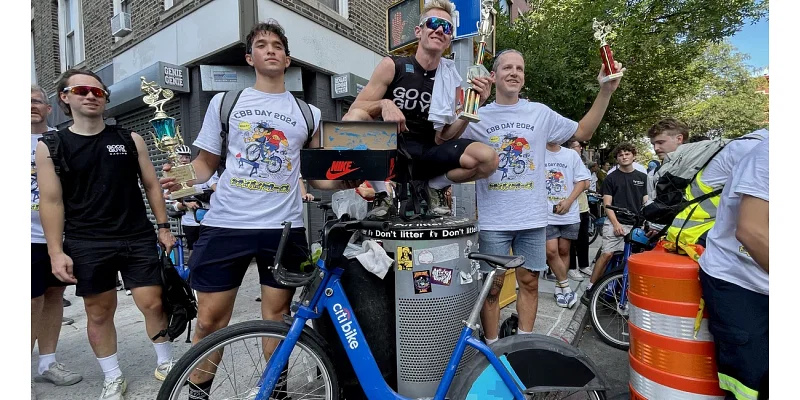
(88, 177)
(518, 131)
(408, 90)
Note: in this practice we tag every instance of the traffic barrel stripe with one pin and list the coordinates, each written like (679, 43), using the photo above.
(642, 388)
(668, 325)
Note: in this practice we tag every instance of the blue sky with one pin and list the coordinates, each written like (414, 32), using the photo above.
(754, 41)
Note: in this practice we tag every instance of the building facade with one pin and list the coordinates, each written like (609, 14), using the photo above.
(196, 48)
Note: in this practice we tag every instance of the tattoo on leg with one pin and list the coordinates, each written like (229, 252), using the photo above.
(497, 286)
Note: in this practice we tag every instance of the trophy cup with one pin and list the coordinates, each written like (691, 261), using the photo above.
(471, 97)
(601, 31)
(167, 136)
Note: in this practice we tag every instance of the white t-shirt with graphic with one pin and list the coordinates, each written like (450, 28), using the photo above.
(37, 233)
(188, 217)
(720, 167)
(725, 257)
(259, 187)
(563, 169)
(515, 196)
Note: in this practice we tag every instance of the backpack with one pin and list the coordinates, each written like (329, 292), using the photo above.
(229, 100)
(177, 301)
(667, 185)
(53, 141)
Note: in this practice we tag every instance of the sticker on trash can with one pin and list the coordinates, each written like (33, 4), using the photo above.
(441, 276)
(422, 282)
(437, 254)
(465, 278)
(404, 261)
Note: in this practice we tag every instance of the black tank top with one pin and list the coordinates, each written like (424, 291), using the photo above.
(411, 91)
(102, 199)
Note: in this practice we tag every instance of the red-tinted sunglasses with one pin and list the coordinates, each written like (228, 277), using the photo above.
(83, 90)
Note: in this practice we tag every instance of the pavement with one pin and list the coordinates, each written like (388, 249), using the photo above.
(137, 356)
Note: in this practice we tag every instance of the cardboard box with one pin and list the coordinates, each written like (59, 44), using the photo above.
(352, 150)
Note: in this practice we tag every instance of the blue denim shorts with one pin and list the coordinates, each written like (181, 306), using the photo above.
(529, 243)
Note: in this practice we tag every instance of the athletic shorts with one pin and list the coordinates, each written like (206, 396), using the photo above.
(529, 243)
(96, 263)
(221, 256)
(192, 233)
(440, 159)
(42, 276)
(739, 321)
(612, 242)
(570, 231)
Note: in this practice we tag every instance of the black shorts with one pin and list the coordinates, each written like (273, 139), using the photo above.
(432, 161)
(192, 233)
(42, 276)
(739, 321)
(96, 262)
(222, 255)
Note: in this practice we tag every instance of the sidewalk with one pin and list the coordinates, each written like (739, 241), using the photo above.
(137, 357)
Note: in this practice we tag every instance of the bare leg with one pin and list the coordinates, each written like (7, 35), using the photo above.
(528, 301)
(100, 328)
(36, 313)
(563, 251)
(554, 260)
(600, 267)
(490, 312)
(148, 300)
(50, 324)
(214, 312)
(478, 161)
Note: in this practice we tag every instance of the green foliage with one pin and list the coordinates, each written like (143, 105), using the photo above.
(663, 44)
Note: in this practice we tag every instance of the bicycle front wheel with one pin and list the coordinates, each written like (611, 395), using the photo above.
(609, 314)
(235, 357)
(547, 367)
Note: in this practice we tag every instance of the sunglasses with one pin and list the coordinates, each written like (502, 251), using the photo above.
(433, 23)
(82, 90)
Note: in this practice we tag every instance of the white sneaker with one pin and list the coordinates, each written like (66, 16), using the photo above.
(575, 275)
(115, 389)
(587, 270)
(163, 370)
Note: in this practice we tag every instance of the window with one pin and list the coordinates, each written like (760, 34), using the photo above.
(171, 3)
(71, 33)
(125, 6)
(340, 6)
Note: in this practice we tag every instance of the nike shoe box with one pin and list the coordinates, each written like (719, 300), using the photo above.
(352, 150)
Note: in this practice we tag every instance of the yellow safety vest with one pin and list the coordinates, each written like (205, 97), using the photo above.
(694, 220)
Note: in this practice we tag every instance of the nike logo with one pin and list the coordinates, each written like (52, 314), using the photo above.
(339, 169)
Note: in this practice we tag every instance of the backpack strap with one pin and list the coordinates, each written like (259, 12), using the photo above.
(229, 100)
(308, 116)
(53, 141)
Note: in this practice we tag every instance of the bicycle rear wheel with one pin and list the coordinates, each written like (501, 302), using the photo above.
(240, 363)
(609, 317)
(594, 231)
(547, 367)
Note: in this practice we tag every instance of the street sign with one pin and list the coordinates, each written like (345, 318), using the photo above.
(401, 18)
(468, 13)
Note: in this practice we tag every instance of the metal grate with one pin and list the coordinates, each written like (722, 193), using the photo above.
(139, 122)
(428, 339)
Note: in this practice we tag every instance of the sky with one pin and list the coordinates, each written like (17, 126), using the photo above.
(754, 41)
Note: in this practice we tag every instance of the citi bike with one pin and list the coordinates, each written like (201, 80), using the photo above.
(300, 365)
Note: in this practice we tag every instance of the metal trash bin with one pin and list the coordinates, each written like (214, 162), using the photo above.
(435, 288)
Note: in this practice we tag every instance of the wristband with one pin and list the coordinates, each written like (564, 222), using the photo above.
(165, 225)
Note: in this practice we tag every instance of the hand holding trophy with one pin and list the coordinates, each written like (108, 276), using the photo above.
(601, 32)
(471, 96)
(167, 137)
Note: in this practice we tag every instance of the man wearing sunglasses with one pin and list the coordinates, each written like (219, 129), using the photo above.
(512, 203)
(400, 90)
(89, 192)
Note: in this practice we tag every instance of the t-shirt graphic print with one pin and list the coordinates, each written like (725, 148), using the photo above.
(259, 187)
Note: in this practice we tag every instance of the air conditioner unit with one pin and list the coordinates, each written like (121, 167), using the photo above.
(121, 24)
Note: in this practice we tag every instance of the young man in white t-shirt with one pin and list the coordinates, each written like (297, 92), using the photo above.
(251, 202)
(512, 202)
(566, 178)
(734, 274)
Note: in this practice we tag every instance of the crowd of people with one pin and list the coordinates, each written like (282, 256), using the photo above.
(525, 158)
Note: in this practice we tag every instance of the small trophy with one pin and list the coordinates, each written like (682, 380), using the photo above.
(601, 31)
(471, 97)
(167, 136)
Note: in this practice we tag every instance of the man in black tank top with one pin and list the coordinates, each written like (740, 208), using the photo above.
(400, 90)
(96, 203)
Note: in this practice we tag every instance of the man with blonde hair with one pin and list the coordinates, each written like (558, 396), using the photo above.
(400, 90)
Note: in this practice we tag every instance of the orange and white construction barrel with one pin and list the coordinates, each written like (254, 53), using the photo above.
(668, 359)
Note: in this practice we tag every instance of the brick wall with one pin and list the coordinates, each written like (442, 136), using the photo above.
(45, 37)
(97, 37)
(367, 16)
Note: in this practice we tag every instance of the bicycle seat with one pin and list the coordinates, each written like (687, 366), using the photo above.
(495, 261)
(175, 214)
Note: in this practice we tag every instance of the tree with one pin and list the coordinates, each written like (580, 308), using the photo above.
(658, 42)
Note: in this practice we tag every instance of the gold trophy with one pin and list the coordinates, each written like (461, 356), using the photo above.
(601, 32)
(167, 136)
(471, 98)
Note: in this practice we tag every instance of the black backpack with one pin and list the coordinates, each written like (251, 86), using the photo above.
(226, 107)
(178, 302)
(53, 141)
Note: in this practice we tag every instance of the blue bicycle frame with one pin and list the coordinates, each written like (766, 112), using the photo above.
(331, 297)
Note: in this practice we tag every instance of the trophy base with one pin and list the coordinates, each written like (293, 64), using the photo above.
(469, 117)
(611, 77)
(185, 192)
(182, 174)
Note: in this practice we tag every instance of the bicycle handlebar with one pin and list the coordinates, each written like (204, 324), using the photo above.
(621, 210)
